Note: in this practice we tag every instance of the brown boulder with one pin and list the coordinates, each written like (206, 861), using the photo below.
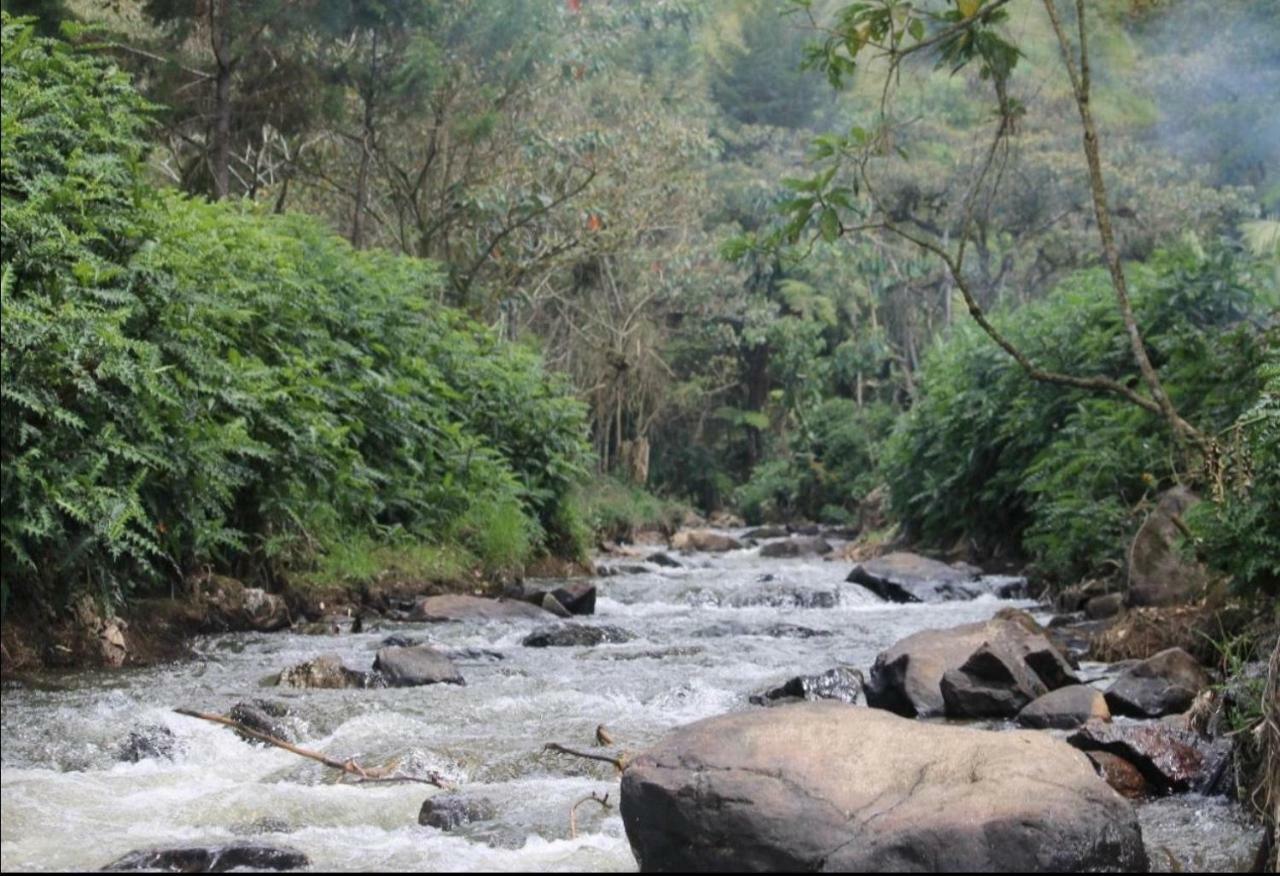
(832, 787)
(1065, 708)
(1119, 774)
(458, 607)
(690, 540)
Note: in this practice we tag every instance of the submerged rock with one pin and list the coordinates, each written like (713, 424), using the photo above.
(1065, 708)
(151, 741)
(324, 672)
(991, 668)
(459, 607)
(807, 546)
(841, 683)
(825, 786)
(572, 635)
(264, 716)
(760, 533)
(1164, 684)
(1172, 760)
(213, 859)
(907, 577)
(661, 559)
(415, 666)
(449, 811)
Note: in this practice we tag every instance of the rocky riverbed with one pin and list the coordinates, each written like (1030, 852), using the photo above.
(97, 765)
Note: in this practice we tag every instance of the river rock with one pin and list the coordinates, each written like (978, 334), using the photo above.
(773, 631)
(213, 859)
(1172, 760)
(574, 635)
(1119, 774)
(577, 599)
(624, 569)
(450, 811)
(553, 605)
(1065, 708)
(760, 533)
(830, 787)
(1164, 684)
(907, 678)
(786, 597)
(907, 577)
(459, 607)
(152, 741)
(265, 716)
(323, 672)
(415, 666)
(841, 683)
(991, 683)
(661, 559)
(807, 546)
(1159, 572)
(234, 607)
(689, 540)
(1103, 607)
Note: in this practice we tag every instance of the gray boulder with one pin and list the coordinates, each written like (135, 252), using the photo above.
(574, 635)
(568, 599)
(1065, 708)
(213, 859)
(1004, 662)
(264, 716)
(450, 811)
(458, 607)
(415, 666)
(324, 672)
(151, 741)
(830, 787)
(1159, 572)
(1164, 684)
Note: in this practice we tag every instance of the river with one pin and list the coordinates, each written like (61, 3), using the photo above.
(69, 803)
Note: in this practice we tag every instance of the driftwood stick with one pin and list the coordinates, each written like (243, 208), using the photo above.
(347, 767)
(573, 811)
(619, 762)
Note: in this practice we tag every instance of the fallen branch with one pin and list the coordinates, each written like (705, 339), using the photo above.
(619, 762)
(573, 811)
(347, 767)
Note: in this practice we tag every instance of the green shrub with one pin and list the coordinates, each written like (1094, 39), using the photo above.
(1018, 465)
(188, 383)
(614, 510)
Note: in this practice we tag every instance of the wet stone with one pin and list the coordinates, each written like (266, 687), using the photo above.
(842, 684)
(152, 741)
(266, 717)
(212, 859)
(450, 811)
(572, 635)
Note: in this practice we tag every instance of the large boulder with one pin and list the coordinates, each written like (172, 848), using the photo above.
(415, 666)
(1065, 708)
(576, 635)
(802, 546)
(569, 598)
(1164, 684)
(451, 811)
(1006, 661)
(832, 787)
(907, 577)
(213, 859)
(1171, 759)
(233, 607)
(689, 540)
(459, 607)
(1159, 572)
(841, 683)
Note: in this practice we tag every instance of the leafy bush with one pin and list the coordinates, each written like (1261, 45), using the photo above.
(1025, 466)
(187, 383)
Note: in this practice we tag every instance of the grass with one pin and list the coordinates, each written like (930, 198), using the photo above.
(350, 564)
(617, 511)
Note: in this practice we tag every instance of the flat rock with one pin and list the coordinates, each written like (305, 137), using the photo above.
(908, 677)
(573, 635)
(705, 540)
(1164, 684)
(908, 577)
(450, 811)
(458, 607)
(804, 546)
(831, 787)
(1065, 708)
(415, 666)
(213, 859)
(841, 683)
(1171, 760)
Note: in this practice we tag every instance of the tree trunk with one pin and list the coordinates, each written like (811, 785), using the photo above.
(221, 158)
(366, 148)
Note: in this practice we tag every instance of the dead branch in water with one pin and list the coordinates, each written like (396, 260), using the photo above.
(619, 761)
(348, 767)
(573, 811)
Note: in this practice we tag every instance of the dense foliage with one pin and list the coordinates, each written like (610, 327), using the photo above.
(1026, 467)
(187, 383)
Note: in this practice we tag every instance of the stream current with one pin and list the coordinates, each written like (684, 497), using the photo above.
(702, 646)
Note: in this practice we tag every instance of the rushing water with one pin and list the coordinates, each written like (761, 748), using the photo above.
(70, 803)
